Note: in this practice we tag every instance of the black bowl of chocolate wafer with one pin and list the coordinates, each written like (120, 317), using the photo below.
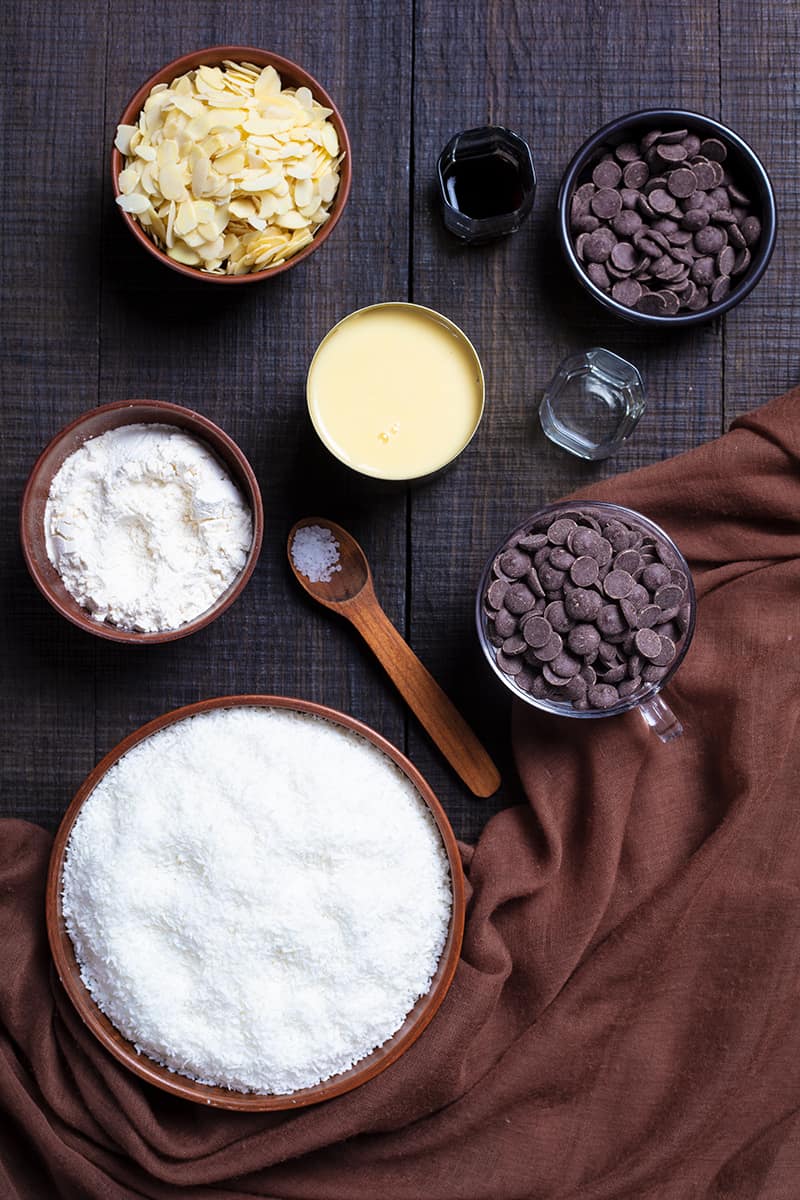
(667, 217)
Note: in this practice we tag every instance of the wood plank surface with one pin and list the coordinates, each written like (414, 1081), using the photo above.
(89, 318)
(51, 200)
(554, 79)
(759, 101)
(241, 360)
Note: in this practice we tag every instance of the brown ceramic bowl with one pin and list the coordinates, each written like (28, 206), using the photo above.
(149, 1070)
(92, 424)
(293, 76)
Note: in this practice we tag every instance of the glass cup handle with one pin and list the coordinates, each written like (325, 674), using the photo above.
(658, 715)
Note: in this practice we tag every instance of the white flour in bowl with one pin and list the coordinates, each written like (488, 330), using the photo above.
(256, 898)
(145, 527)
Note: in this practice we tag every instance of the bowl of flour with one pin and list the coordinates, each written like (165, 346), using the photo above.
(141, 521)
(255, 902)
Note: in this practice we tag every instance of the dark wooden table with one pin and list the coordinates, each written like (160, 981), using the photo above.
(88, 318)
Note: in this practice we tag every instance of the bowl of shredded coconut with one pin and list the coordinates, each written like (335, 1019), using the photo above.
(141, 521)
(255, 902)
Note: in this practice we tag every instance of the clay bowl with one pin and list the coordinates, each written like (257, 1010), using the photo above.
(291, 75)
(178, 1085)
(92, 424)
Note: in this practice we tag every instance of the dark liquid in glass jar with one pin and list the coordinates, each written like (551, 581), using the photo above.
(484, 185)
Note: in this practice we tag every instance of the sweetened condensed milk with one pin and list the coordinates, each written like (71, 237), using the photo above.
(395, 391)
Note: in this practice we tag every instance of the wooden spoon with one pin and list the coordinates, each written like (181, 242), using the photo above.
(351, 593)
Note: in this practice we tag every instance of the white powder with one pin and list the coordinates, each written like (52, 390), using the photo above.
(256, 897)
(145, 527)
(315, 553)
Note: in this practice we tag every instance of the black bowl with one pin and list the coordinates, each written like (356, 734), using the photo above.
(745, 166)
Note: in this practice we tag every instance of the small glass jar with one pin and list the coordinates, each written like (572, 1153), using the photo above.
(592, 404)
(487, 183)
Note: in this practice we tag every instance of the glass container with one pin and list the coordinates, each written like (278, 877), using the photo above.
(652, 707)
(487, 183)
(592, 404)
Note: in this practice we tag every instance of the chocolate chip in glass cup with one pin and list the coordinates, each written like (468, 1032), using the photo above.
(596, 615)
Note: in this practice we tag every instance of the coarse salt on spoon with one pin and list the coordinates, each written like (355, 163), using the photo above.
(339, 578)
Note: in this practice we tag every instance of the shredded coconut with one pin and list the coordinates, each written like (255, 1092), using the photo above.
(315, 553)
(145, 527)
(256, 897)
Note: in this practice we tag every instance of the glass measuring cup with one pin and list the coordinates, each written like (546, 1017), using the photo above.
(651, 705)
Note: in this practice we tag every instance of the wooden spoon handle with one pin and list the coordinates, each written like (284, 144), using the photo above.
(425, 698)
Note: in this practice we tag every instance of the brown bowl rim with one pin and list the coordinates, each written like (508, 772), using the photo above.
(214, 56)
(46, 577)
(152, 1072)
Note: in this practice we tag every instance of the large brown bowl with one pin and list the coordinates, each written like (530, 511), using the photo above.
(179, 1085)
(91, 424)
(292, 75)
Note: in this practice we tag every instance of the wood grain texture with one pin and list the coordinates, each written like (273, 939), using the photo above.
(242, 361)
(89, 318)
(759, 101)
(49, 370)
(350, 593)
(554, 78)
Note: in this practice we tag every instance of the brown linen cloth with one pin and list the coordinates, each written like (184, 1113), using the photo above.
(624, 1022)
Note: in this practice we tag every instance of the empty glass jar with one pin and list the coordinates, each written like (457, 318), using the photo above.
(592, 403)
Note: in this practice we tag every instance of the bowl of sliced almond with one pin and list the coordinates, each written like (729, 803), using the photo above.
(231, 165)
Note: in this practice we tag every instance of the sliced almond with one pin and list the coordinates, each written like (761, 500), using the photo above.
(268, 83)
(170, 180)
(129, 179)
(167, 153)
(186, 218)
(134, 203)
(184, 254)
(300, 170)
(303, 192)
(291, 220)
(123, 139)
(329, 140)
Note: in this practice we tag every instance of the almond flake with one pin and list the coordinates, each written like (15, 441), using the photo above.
(226, 116)
(186, 220)
(167, 153)
(301, 170)
(329, 140)
(190, 106)
(128, 179)
(123, 139)
(230, 163)
(327, 187)
(291, 220)
(212, 76)
(170, 180)
(303, 192)
(244, 207)
(184, 254)
(134, 203)
(268, 83)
